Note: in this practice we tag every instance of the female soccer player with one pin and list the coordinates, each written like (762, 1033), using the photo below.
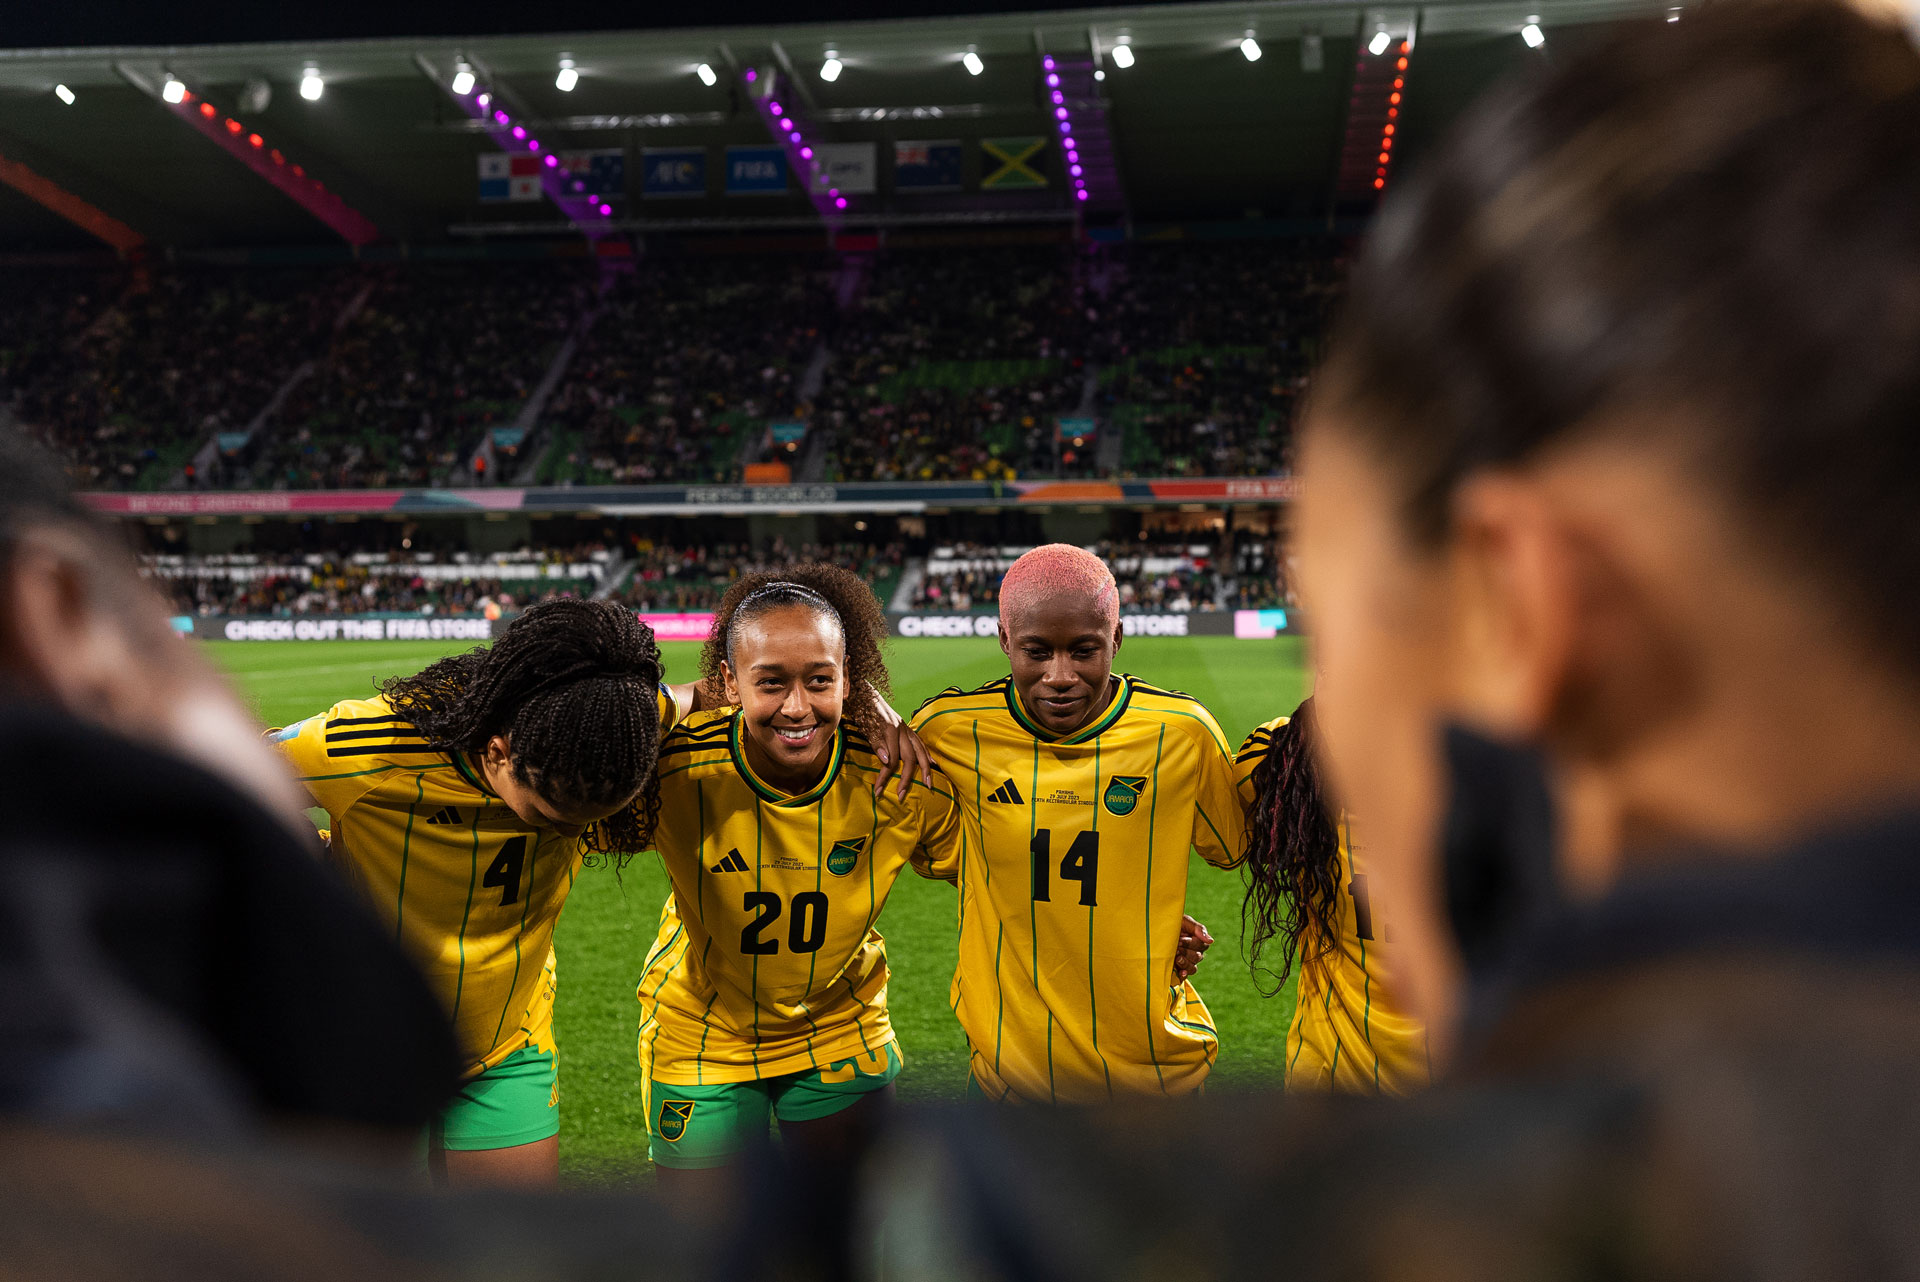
(765, 994)
(1307, 884)
(463, 801)
(1088, 790)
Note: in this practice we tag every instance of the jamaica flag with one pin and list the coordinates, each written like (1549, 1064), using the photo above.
(1009, 163)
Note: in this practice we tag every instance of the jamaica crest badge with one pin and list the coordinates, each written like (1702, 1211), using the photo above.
(1123, 793)
(674, 1116)
(844, 855)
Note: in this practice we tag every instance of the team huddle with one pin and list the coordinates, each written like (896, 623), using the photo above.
(784, 797)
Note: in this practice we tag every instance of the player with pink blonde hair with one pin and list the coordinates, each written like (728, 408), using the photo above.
(1084, 792)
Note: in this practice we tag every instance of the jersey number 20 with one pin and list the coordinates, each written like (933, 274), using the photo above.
(806, 926)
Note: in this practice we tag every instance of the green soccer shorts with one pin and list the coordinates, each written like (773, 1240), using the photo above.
(700, 1127)
(517, 1101)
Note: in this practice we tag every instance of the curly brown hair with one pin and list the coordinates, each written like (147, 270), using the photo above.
(824, 589)
(575, 686)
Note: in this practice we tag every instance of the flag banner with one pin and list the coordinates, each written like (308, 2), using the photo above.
(504, 177)
(926, 166)
(846, 167)
(1073, 430)
(673, 171)
(1010, 163)
(601, 173)
(756, 171)
(788, 430)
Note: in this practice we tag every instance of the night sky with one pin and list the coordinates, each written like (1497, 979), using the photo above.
(160, 22)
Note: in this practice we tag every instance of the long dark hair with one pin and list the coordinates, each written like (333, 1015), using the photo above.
(574, 684)
(826, 590)
(1293, 855)
(1701, 232)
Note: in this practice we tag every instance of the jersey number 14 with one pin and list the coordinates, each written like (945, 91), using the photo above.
(1081, 863)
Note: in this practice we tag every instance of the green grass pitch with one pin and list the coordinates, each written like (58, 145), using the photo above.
(610, 922)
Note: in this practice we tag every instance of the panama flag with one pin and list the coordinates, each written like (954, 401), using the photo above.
(504, 177)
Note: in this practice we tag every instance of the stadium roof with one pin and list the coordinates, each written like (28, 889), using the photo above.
(1199, 131)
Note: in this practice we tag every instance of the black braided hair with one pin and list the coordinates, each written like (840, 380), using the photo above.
(574, 685)
(1293, 855)
(827, 590)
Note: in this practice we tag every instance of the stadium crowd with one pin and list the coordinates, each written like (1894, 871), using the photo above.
(914, 364)
(1153, 577)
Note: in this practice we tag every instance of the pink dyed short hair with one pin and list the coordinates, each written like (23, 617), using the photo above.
(1055, 570)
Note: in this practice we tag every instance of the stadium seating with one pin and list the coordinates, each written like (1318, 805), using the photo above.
(916, 364)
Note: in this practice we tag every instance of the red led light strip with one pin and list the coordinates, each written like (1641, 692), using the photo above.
(251, 150)
(69, 206)
(1393, 117)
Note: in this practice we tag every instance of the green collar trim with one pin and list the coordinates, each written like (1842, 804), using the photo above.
(1092, 730)
(466, 772)
(772, 795)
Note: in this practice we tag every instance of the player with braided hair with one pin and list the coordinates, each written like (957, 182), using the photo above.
(1307, 886)
(463, 800)
(765, 992)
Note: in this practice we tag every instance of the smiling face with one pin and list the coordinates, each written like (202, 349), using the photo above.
(527, 801)
(1061, 649)
(787, 671)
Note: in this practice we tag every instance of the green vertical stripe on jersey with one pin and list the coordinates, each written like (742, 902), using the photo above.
(473, 877)
(813, 958)
(526, 902)
(759, 835)
(1033, 905)
(1093, 1001)
(999, 995)
(700, 879)
(406, 849)
(1153, 810)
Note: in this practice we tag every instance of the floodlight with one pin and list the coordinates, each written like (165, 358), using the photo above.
(1123, 56)
(1099, 75)
(1378, 45)
(1532, 34)
(972, 63)
(311, 85)
(567, 78)
(463, 80)
(64, 94)
(173, 90)
(706, 75)
(830, 69)
(1251, 48)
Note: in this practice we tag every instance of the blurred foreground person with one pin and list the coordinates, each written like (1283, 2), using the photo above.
(175, 959)
(1609, 539)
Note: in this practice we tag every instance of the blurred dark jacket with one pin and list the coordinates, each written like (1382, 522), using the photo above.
(174, 961)
(1712, 1072)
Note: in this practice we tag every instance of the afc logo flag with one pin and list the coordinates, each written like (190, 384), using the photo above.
(673, 171)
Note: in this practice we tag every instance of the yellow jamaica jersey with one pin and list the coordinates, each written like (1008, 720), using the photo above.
(470, 890)
(1073, 887)
(1347, 1034)
(767, 961)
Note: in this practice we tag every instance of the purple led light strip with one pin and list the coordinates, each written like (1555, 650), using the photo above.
(1086, 146)
(587, 213)
(787, 125)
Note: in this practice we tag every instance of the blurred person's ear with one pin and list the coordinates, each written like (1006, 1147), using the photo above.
(80, 631)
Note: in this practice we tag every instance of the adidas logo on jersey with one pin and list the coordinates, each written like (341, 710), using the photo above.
(447, 815)
(732, 863)
(1008, 794)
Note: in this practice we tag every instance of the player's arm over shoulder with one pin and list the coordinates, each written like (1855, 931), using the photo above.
(332, 782)
(941, 829)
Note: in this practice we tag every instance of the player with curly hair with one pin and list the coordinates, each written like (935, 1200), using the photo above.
(462, 802)
(764, 996)
(1307, 888)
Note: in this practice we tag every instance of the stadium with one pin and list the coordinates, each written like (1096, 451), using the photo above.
(371, 349)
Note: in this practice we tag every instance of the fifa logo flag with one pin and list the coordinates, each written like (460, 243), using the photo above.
(504, 177)
(756, 171)
(926, 166)
(674, 171)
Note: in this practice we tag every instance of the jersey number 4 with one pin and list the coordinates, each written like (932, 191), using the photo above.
(504, 871)
(1081, 863)
(806, 925)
